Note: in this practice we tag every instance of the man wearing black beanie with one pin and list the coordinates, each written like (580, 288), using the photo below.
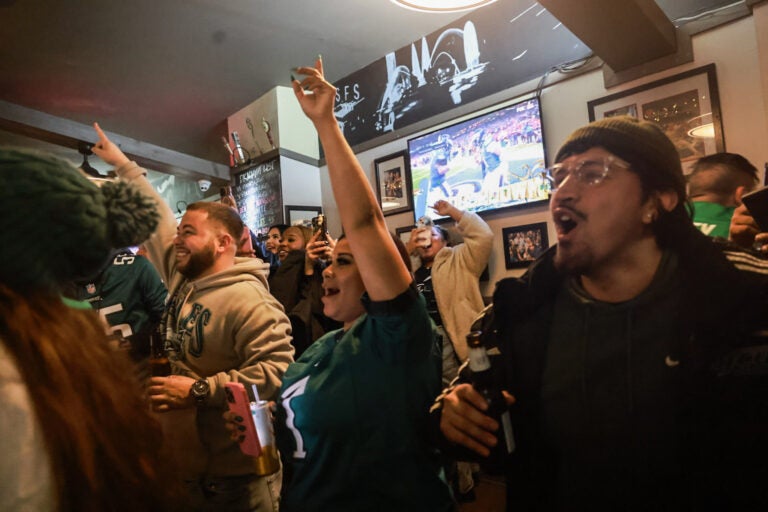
(630, 347)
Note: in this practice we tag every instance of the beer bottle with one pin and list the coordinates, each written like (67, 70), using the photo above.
(240, 157)
(484, 383)
(159, 365)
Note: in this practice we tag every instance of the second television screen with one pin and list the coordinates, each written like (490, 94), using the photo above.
(492, 161)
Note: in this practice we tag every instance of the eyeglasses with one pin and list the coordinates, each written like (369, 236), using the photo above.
(586, 172)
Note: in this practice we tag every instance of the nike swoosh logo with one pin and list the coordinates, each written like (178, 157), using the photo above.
(671, 362)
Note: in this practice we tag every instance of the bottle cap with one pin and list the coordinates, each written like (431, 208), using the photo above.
(473, 338)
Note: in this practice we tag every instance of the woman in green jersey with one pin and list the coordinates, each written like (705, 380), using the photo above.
(354, 407)
(352, 419)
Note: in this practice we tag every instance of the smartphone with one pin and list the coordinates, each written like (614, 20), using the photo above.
(238, 402)
(318, 224)
(757, 204)
(424, 222)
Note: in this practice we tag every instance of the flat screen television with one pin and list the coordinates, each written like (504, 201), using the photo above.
(489, 162)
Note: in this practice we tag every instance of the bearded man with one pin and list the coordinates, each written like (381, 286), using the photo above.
(633, 351)
(222, 325)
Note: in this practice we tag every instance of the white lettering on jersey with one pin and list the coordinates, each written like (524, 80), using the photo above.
(705, 228)
(123, 329)
(294, 390)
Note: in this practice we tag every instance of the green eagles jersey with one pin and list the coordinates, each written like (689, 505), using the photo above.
(352, 421)
(129, 295)
(712, 219)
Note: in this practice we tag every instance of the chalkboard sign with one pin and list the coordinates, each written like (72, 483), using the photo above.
(259, 195)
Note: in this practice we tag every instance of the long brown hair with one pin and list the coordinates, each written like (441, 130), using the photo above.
(103, 446)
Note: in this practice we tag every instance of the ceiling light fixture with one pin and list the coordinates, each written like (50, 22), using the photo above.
(442, 5)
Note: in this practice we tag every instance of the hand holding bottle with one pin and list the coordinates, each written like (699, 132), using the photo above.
(476, 416)
(464, 422)
(484, 382)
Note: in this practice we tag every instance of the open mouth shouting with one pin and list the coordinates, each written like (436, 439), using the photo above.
(329, 291)
(566, 220)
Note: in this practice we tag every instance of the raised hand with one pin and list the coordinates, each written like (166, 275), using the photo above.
(443, 207)
(420, 237)
(317, 250)
(315, 95)
(744, 230)
(108, 150)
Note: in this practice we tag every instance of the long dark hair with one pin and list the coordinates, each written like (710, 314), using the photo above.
(400, 249)
(103, 446)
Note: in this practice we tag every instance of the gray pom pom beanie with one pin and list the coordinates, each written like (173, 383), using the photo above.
(58, 226)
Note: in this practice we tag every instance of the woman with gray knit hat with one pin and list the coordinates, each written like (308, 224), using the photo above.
(75, 433)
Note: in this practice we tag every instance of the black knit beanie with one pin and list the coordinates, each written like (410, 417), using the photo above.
(58, 226)
(642, 144)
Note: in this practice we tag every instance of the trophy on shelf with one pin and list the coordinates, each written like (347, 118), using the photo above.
(241, 155)
(249, 124)
(268, 131)
(229, 150)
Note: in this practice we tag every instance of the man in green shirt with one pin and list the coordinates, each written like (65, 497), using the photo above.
(130, 296)
(715, 187)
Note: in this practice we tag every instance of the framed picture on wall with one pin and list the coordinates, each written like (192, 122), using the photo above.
(686, 106)
(393, 183)
(404, 233)
(523, 244)
(301, 214)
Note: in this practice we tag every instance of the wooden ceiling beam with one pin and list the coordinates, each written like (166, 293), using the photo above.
(64, 132)
(623, 33)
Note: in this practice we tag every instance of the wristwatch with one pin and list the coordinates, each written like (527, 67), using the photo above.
(200, 391)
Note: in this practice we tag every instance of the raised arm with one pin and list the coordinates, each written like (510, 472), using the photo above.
(160, 243)
(475, 251)
(384, 274)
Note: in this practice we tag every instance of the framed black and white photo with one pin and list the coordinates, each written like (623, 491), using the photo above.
(393, 183)
(301, 215)
(686, 106)
(523, 244)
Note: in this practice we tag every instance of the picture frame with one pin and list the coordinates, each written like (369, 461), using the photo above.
(393, 183)
(524, 243)
(301, 215)
(404, 233)
(686, 106)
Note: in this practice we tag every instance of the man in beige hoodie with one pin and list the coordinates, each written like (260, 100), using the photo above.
(222, 325)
